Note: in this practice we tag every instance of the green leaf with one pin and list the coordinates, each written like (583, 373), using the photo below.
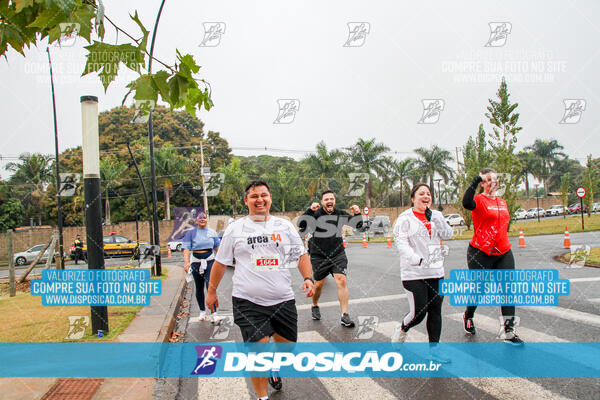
(145, 32)
(106, 57)
(159, 80)
(49, 18)
(189, 62)
(84, 17)
(144, 89)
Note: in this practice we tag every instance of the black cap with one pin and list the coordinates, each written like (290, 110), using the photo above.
(88, 98)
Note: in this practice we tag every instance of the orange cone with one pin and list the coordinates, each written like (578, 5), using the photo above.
(364, 240)
(521, 238)
(389, 241)
(344, 241)
(567, 243)
(168, 251)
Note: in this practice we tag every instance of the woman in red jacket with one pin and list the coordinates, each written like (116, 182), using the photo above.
(489, 248)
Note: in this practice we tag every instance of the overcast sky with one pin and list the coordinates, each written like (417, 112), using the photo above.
(346, 86)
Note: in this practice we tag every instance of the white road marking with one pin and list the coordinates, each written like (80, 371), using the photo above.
(501, 388)
(348, 388)
(355, 301)
(571, 315)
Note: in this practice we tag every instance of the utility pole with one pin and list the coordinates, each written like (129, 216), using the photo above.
(61, 264)
(203, 180)
(92, 204)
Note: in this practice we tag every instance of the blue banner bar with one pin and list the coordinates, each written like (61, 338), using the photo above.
(372, 359)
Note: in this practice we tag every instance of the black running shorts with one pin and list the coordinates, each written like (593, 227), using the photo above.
(256, 321)
(323, 266)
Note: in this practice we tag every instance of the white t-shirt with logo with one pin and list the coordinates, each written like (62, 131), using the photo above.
(264, 253)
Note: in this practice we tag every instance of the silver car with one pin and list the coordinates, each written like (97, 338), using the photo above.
(27, 256)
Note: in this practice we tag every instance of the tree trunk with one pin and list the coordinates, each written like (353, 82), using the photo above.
(107, 207)
(432, 189)
(167, 203)
(234, 204)
(527, 183)
(368, 194)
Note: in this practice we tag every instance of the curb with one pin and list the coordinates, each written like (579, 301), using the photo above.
(169, 322)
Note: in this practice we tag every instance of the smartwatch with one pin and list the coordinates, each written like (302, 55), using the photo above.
(308, 278)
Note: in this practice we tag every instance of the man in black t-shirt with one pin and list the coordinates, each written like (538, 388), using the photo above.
(326, 248)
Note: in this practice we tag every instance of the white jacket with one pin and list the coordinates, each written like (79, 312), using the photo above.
(413, 243)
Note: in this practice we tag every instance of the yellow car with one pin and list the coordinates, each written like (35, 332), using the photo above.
(116, 246)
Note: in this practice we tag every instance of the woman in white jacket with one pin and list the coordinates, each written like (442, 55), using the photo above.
(417, 234)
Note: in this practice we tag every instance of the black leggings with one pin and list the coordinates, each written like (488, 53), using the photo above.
(424, 298)
(477, 259)
(201, 280)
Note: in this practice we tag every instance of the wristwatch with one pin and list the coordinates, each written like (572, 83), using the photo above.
(308, 278)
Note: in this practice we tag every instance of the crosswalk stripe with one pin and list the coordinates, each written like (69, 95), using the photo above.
(211, 388)
(592, 279)
(355, 301)
(492, 325)
(348, 388)
(595, 300)
(571, 315)
(502, 388)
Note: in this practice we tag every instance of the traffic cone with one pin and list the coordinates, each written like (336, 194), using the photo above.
(521, 238)
(168, 252)
(344, 241)
(364, 240)
(567, 243)
(389, 240)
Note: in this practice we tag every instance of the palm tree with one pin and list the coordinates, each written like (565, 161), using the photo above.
(35, 170)
(234, 181)
(548, 153)
(368, 156)
(111, 172)
(403, 170)
(169, 167)
(434, 161)
(322, 167)
(531, 165)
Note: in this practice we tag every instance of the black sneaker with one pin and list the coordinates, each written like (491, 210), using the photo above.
(511, 336)
(346, 321)
(275, 382)
(316, 313)
(468, 324)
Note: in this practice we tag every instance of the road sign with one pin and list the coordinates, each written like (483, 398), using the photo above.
(581, 192)
(366, 210)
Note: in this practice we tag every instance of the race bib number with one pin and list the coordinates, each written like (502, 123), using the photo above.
(266, 262)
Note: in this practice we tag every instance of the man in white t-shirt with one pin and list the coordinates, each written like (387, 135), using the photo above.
(265, 248)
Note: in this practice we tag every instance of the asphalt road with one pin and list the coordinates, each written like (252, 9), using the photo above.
(376, 290)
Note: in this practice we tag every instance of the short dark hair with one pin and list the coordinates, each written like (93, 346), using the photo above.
(327, 191)
(414, 190)
(487, 171)
(256, 183)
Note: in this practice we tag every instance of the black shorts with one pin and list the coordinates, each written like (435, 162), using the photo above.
(322, 265)
(256, 321)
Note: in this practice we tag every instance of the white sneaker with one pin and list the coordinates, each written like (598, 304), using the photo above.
(399, 335)
(202, 316)
(216, 319)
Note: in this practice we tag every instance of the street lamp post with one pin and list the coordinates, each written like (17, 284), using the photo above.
(537, 197)
(92, 205)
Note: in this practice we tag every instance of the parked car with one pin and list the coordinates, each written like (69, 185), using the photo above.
(534, 212)
(555, 210)
(520, 214)
(575, 208)
(596, 207)
(380, 224)
(454, 219)
(27, 256)
(175, 245)
(116, 246)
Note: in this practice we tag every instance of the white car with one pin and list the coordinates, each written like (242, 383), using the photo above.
(27, 256)
(454, 219)
(175, 245)
(520, 214)
(534, 212)
(596, 207)
(555, 210)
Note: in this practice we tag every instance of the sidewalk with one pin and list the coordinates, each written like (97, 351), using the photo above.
(153, 323)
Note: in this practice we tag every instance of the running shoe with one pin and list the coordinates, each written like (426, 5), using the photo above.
(275, 382)
(469, 326)
(316, 313)
(399, 335)
(511, 336)
(346, 321)
(216, 319)
(435, 354)
(202, 316)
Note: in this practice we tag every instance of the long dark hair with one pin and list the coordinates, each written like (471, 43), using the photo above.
(414, 190)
